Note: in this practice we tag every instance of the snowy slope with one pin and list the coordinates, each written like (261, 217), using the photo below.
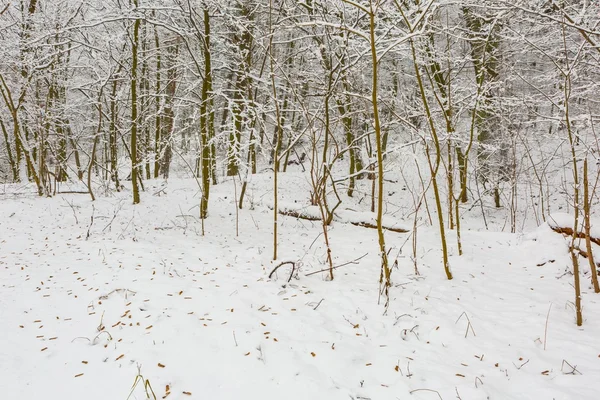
(201, 319)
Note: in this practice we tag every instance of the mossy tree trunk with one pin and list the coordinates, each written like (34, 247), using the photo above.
(134, 108)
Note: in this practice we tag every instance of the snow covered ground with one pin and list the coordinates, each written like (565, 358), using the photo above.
(93, 293)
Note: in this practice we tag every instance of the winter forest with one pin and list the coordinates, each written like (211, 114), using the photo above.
(302, 199)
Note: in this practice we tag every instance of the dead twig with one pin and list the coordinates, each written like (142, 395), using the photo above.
(546, 327)
(339, 266)
(427, 390)
(87, 236)
(522, 365)
(457, 394)
(573, 368)
(282, 264)
(469, 325)
(72, 209)
(317, 306)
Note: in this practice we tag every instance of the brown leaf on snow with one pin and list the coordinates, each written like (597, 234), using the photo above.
(161, 365)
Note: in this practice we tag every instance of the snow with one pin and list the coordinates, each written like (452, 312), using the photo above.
(561, 220)
(199, 316)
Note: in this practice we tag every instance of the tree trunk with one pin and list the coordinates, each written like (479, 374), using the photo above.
(134, 109)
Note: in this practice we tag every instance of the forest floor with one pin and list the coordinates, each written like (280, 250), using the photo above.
(93, 294)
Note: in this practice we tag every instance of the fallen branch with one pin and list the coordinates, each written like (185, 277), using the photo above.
(299, 215)
(584, 254)
(373, 226)
(313, 217)
(568, 231)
